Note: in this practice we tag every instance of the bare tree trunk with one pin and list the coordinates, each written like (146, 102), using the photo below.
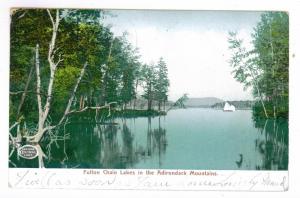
(43, 112)
(38, 88)
(53, 65)
(41, 132)
(261, 100)
(73, 94)
(25, 90)
(260, 96)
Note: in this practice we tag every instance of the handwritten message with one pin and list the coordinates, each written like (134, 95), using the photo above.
(148, 179)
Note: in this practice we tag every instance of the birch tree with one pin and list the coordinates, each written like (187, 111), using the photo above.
(43, 109)
(266, 66)
(244, 69)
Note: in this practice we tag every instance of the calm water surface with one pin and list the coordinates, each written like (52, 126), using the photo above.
(196, 138)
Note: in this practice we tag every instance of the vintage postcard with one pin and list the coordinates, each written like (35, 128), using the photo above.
(149, 99)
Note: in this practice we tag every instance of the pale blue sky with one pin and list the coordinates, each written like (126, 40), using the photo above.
(194, 45)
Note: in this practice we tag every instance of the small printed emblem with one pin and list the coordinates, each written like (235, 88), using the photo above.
(28, 152)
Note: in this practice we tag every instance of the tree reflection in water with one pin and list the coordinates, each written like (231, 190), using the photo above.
(117, 144)
(102, 145)
(156, 141)
(274, 145)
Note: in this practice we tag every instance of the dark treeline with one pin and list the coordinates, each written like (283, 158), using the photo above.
(266, 66)
(248, 104)
(113, 74)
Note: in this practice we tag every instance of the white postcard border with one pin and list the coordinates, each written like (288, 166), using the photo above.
(291, 6)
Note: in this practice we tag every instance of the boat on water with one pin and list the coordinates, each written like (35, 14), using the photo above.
(228, 107)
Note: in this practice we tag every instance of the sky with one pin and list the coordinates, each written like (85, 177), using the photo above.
(193, 44)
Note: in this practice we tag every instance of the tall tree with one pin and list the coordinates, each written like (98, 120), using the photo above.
(266, 66)
(162, 83)
(148, 85)
(271, 43)
(244, 68)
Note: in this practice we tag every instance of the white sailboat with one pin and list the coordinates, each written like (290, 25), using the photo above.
(228, 107)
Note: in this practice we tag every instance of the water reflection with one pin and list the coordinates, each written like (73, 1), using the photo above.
(273, 144)
(107, 145)
(156, 140)
(240, 161)
(187, 139)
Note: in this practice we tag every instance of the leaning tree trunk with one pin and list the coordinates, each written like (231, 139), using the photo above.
(260, 96)
(71, 99)
(25, 90)
(261, 100)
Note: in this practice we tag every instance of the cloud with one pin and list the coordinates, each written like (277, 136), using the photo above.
(197, 57)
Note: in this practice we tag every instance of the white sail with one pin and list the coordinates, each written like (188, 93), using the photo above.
(232, 108)
(228, 107)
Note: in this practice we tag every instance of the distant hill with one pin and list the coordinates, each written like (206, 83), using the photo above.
(202, 102)
(240, 104)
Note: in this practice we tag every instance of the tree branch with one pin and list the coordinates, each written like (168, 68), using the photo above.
(38, 77)
(28, 91)
(13, 126)
(73, 93)
(93, 108)
(55, 25)
(59, 60)
(51, 18)
(25, 90)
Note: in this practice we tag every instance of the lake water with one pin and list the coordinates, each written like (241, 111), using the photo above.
(196, 138)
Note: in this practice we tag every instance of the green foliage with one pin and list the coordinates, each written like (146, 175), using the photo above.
(243, 69)
(149, 79)
(112, 75)
(266, 67)
(162, 83)
(156, 83)
(63, 84)
(271, 42)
